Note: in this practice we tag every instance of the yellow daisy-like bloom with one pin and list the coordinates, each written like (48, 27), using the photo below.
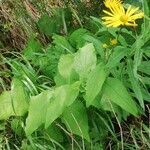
(113, 41)
(118, 16)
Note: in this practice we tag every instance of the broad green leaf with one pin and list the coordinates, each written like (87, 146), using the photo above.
(97, 101)
(115, 91)
(106, 105)
(76, 121)
(62, 43)
(135, 84)
(119, 53)
(96, 42)
(85, 60)
(72, 93)
(19, 97)
(76, 38)
(49, 25)
(63, 96)
(37, 111)
(59, 80)
(56, 106)
(65, 65)
(6, 109)
(94, 83)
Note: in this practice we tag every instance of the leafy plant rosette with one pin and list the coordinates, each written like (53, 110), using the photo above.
(83, 78)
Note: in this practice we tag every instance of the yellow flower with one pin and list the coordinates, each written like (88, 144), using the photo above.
(105, 45)
(118, 16)
(113, 41)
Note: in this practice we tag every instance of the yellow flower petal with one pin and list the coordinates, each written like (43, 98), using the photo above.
(108, 13)
(132, 11)
(137, 16)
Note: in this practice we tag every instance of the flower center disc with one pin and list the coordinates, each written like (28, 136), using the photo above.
(124, 19)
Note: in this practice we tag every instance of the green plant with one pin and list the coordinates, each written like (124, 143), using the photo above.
(69, 93)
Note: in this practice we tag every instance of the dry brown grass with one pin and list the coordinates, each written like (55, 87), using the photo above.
(19, 18)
